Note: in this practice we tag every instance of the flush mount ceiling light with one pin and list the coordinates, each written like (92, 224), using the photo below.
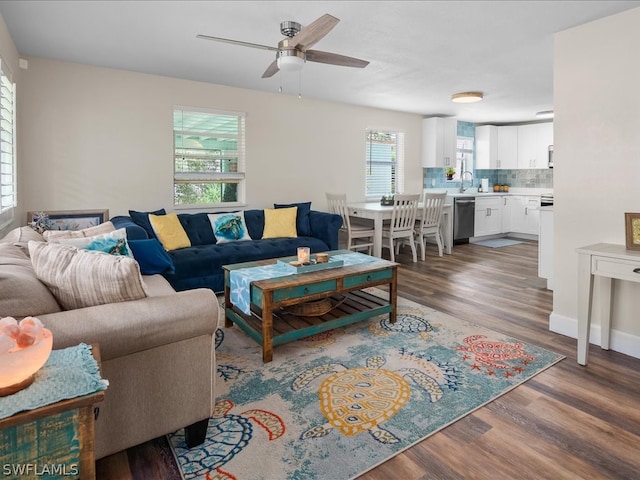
(545, 114)
(466, 97)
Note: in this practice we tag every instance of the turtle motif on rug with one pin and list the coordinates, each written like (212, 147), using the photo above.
(494, 354)
(231, 433)
(356, 400)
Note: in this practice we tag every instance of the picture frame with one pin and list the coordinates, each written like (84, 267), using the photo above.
(632, 228)
(68, 219)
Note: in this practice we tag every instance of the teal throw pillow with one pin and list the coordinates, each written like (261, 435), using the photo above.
(229, 227)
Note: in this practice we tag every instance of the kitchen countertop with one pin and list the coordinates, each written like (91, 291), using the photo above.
(472, 192)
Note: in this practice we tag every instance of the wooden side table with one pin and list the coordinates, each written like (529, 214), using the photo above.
(54, 441)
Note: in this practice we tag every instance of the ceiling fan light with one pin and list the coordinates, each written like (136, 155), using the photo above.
(466, 97)
(290, 63)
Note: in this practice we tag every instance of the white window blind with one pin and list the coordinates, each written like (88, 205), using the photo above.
(8, 180)
(384, 163)
(209, 157)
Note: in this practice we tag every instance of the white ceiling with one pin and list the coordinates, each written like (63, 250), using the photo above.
(420, 52)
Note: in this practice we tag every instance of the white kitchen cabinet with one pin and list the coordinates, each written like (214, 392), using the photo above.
(533, 145)
(506, 213)
(439, 136)
(545, 246)
(486, 147)
(525, 214)
(507, 147)
(488, 216)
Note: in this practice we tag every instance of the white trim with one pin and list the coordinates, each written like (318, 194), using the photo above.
(620, 341)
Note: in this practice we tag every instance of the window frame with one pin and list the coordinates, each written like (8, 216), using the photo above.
(238, 177)
(8, 158)
(397, 164)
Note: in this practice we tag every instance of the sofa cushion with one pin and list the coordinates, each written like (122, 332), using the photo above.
(303, 224)
(20, 237)
(229, 227)
(201, 266)
(151, 256)
(83, 278)
(55, 235)
(114, 243)
(280, 222)
(169, 231)
(142, 219)
(198, 228)
(22, 293)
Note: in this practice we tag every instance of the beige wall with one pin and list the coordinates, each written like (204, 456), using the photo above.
(597, 147)
(102, 138)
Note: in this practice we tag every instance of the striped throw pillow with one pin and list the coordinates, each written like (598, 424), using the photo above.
(84, 278)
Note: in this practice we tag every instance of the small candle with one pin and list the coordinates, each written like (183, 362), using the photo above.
(304, 254)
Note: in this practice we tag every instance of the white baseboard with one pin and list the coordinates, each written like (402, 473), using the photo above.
(620, 341)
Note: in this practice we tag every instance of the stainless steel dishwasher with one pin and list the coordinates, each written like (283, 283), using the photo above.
(463, 218)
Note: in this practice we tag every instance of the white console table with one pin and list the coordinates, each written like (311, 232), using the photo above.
(609, 262)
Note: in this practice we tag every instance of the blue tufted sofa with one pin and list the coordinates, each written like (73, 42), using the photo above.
(201, 264)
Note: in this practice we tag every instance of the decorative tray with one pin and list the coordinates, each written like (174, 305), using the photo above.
(311, 267)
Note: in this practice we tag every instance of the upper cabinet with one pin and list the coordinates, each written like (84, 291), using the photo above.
(533, 145)
(511, 147)
(486, 147)
(507, 147)
(439, 136)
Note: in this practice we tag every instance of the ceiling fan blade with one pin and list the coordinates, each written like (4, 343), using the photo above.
(313, 33)
(237, 42)
(271, 70)
(334, 59)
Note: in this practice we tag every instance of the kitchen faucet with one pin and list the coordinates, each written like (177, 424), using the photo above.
(462, 180)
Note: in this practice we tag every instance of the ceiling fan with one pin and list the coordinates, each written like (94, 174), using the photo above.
(294, 50)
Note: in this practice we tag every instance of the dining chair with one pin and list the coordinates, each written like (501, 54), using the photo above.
(359, 237)
(429, 223)
(402, 224)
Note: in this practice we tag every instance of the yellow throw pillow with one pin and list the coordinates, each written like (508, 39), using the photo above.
(169, 231)
(280, 222)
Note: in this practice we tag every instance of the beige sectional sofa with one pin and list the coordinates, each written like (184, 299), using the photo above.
(157, 352)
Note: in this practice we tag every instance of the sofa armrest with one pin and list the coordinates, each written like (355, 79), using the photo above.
(134, 231)
(128, 327)
(326, 227)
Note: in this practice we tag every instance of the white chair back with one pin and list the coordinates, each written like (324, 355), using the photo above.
(432, 205)
(405, 207)
(337, 203)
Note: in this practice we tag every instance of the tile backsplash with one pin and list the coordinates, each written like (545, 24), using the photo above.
(520, 178)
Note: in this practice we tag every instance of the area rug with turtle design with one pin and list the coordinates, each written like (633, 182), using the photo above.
(337, 404)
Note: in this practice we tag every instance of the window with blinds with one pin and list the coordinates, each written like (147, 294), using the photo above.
(8, 178)
(209, 157)
(384, 163)
(464, 157)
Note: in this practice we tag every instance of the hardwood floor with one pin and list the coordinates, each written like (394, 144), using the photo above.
(568, 422)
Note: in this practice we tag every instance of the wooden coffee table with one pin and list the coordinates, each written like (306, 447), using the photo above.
(270, 324)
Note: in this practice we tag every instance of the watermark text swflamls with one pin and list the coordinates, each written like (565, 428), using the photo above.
(34, 469)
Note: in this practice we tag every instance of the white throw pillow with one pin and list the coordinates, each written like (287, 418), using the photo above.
(114, 243)
(84, 278)
(55, 235)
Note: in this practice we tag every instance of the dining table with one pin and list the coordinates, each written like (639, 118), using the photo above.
(379, 213)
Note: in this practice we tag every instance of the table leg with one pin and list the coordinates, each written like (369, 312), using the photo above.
(267, 327)
(606, 294)
(377, 237)
(585, 292)
(393, 297)
(227, 300)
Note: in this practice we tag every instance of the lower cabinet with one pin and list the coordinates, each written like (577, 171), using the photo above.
(525, 214)
(488, 218)
(507, 214)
